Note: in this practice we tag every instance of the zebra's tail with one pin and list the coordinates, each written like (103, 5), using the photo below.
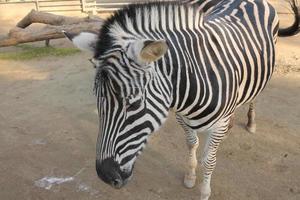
(295, 27)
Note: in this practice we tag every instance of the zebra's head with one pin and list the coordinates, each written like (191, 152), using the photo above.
(132, 103)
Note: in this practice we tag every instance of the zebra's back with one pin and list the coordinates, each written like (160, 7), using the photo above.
(252, 28)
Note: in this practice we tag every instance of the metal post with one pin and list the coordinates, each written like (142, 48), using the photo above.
(47, 43)
(37, 5)
(83, 3)
(95, 8)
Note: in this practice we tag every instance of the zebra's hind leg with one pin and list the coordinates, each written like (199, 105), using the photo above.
(192, 143)
(214, 138)
(251, 125)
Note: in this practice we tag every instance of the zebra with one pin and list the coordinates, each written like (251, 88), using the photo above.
(201, 59)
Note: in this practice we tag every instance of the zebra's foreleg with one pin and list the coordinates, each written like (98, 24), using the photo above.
(209, 159)
(251, 125)
(192, 143)
(190, 175)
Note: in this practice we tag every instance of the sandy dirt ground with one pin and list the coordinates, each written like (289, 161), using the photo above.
(48, 131)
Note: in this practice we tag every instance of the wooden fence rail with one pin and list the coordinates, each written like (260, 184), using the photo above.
(85, 6)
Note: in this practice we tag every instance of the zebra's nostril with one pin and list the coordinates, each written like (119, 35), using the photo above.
(109, 171)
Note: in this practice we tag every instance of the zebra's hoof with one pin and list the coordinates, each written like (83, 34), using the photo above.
(205, 191)
(251, 128)
(189, 181)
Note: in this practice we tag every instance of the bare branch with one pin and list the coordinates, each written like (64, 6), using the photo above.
(53, 29)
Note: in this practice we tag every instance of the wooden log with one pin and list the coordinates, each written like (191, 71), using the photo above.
(58, 20)
(53, 30)
(18, 35)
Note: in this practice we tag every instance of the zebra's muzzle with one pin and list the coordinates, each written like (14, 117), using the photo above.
(109, 171)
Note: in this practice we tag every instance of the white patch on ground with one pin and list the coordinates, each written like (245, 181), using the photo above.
(82, 187)
(39, 142)
(48, 182)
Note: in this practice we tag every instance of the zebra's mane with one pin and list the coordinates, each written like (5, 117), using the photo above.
(122, 24)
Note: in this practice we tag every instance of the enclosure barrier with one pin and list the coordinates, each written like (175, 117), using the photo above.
(85, 6)
(73, 5)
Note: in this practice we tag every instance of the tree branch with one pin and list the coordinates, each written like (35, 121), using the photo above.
(53, 29)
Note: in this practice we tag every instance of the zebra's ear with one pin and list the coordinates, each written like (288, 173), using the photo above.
(85, 41)
(153, 50)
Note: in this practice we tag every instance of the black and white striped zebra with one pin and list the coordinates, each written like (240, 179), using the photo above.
(203, 59)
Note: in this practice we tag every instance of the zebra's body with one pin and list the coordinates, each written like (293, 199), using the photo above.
(203, 59)
(206, 49)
